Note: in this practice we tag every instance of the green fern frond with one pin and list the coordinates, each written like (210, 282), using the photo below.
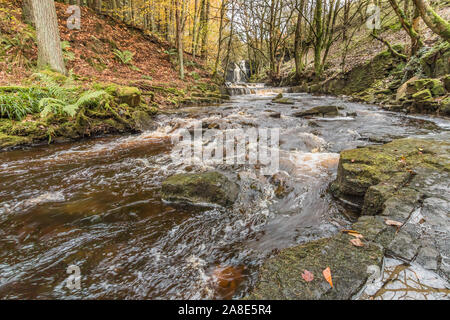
(124, 56)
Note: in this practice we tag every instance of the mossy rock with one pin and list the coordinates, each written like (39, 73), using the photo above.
(422, 95)
(199, 188)
(446, 81)
(436, 61)
(445, 107)
(143, 121)
(280, 277)
(128, 95)
(282, 100)
(54, 76)
(375, 173)
(435, 86)
(10, 141)
(364, 76)
(318, 111)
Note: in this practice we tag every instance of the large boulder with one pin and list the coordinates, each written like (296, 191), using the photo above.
(318, 111)
(373, 174)
(200, 188)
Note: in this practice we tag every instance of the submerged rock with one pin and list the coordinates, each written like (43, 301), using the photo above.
(197, 188)
(318, 111)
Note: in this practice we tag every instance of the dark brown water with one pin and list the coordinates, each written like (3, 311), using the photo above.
(96, 204)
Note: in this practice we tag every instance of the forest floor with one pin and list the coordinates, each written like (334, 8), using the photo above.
(90, 52)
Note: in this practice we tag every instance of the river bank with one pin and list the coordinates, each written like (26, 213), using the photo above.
(57, 110)
(420, 86)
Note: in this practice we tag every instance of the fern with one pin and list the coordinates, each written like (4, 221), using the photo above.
(57, 106)
(68, 55)
(51, 105)
(126, 57)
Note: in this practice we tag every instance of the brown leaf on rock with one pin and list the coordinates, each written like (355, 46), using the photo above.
(357, 242)
(353, 233)
(393, 223)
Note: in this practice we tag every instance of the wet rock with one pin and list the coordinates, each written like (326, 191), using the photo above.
(280, 278)
(318, 111)
(428, 257)
(390, 164)
(143, 121)
(227, 279)
(276, 115)
(197, 188)
(282, 100)
(403, 281)
(404, 246)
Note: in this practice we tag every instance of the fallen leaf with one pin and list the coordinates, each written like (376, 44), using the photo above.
(353, 233)
(327, 276)
(307, 276)
(357, 242)
(394, 223)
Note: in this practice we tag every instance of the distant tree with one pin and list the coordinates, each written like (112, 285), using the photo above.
(47, 33)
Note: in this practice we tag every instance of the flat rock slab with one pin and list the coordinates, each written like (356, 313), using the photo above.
(401, 281)
(280, 277)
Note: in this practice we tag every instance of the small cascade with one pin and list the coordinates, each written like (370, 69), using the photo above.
(235, 89)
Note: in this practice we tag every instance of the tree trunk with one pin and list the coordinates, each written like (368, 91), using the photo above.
(219, 44)
(179, 34)
(433, 20)
(27, 12)
(47, 33)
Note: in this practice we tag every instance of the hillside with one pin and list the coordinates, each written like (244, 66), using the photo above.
(89, 52)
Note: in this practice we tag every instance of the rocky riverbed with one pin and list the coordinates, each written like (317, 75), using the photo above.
(116, 207)
(402, 189)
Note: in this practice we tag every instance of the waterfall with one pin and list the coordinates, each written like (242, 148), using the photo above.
(236, 74)
(243, 67)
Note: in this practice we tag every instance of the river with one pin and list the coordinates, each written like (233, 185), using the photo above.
(96, 203)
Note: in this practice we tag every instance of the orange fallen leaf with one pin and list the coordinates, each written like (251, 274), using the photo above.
(357, 242)
(394, 223)
(307, 276)
(353, 233)
(327, 276)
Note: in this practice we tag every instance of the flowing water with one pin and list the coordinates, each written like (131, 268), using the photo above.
(96, 204)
